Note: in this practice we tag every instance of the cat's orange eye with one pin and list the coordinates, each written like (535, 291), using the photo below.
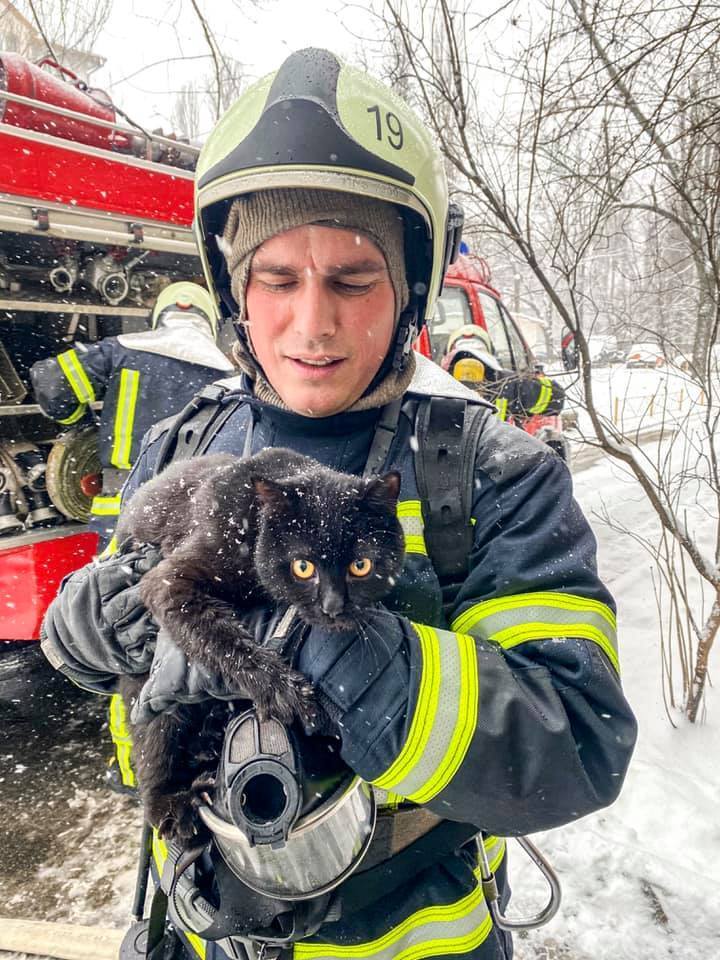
(360, 568)
(302, 569)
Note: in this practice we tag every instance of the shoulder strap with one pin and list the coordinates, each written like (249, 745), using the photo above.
(448, 430)
(383, 437)
(191, 431)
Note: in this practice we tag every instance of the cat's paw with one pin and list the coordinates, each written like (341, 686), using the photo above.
(286, 696)
(180, 821)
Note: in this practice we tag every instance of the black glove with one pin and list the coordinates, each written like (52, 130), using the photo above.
(173, 680)
(363, 679)
(97, 628)
(343, 665)
(118, 583)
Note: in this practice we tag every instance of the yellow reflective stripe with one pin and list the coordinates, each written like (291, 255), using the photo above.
(392, 801)
(502, 408)
(124, 419)
(110, 549)
(159, 852)
(409, 513)
(75, 416)
(542, 631)
(436, 931)
(76, 376)
(444, 720)
(106, 506)
(540, 616)
(409, 508)
(121, 737)
(545, 397)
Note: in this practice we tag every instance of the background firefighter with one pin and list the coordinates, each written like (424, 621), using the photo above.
(470, 358)
(500, 707)
(141, 377)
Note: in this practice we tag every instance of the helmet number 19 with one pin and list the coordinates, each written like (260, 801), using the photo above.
(393, 125)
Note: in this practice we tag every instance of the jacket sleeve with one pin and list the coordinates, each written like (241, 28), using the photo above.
(514, 719)
(66, 384)
(536, 395)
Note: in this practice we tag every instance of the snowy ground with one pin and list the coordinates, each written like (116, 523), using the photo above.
(637, 399)
(640, 880)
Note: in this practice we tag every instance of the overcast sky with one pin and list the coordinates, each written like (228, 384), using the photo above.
(140, 33)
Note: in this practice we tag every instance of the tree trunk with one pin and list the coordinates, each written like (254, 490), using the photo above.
(697, 686)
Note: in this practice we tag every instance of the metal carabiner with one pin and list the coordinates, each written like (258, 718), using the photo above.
(492, 896)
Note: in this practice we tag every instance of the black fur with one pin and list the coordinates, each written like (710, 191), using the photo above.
(229, 531)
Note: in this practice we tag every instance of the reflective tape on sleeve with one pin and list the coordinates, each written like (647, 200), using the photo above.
(509, 621)
(409, 514)
(444, 720)
(543, 401)
(106, 506)
(76, 376)
(502, 408)
(125, 419)
(110, 549)
(75, 415)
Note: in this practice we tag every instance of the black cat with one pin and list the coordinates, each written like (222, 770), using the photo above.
(275, 527)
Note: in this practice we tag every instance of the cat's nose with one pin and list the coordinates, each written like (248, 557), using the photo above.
(332, 603)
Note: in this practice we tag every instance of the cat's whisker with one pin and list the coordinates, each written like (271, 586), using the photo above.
(368, 632)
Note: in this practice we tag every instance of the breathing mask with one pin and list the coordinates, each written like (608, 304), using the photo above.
(289, 818)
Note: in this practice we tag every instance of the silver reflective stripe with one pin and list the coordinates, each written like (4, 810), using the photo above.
(453, 928)
(409, 513)
(509, 621)
(444, 719)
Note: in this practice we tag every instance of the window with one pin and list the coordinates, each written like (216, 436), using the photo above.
(517, 344)
(509, 347)
(496, 329)
(451, 312)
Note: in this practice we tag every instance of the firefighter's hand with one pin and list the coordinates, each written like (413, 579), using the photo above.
(97, 628)
(174, 680)
(118, 583)
(344, 664)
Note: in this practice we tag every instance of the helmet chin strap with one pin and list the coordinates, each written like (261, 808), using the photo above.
(405, 335)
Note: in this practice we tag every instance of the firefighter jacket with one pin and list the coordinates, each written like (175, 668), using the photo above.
(507, 714)
(142, 378)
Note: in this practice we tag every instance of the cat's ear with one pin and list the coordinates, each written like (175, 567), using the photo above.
(383, 491)
(271, 494)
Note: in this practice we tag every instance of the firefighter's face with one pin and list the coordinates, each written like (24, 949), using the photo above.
(321, 314)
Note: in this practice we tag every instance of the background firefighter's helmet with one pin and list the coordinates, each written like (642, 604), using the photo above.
(317, 122)
(472, 332)
(185, 296)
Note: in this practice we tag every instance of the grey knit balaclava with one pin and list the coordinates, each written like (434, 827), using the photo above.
(257, 217)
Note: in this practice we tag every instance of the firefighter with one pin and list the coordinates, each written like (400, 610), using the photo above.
(142, 378)
(470, 358)
(505, 712)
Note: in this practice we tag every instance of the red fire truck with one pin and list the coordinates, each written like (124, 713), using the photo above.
(95, 219)
(469, 298)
